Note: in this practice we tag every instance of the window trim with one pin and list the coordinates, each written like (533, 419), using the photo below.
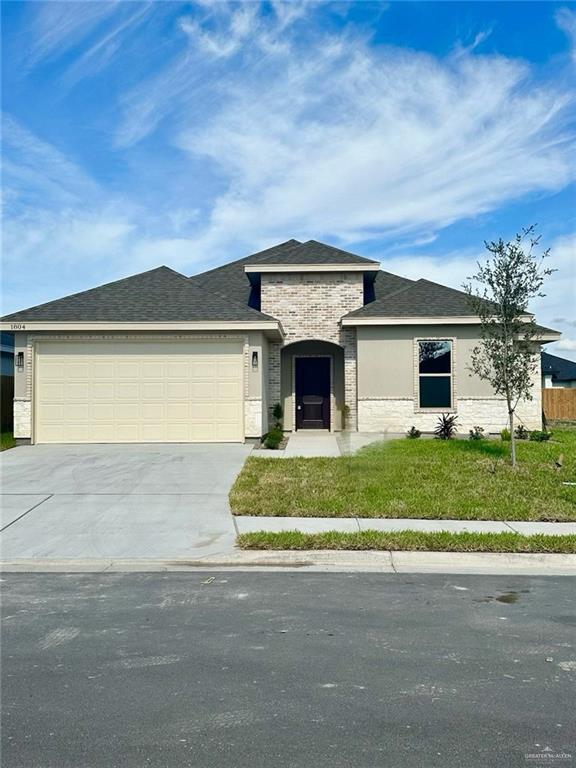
(417, 374)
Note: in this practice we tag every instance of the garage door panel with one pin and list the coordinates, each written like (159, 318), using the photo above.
(202, 390)
(104, 432)
(177, 390)
(128, 370)
(228, 390)
(139, 392)
(178, 369)
(102, 412)
(77, 412)
(103, 369)
(178, 412)
(77, 390)
(153, 369)
(153, 412)
(127, 390)
(103, 391)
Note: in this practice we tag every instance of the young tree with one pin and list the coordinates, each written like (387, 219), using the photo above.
(500, 293)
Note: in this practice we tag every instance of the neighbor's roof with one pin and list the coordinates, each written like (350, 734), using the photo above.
(159, 295)
(560, 368)
(422, 298)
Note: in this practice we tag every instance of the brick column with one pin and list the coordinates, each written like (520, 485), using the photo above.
(274, 393)
(348, 338)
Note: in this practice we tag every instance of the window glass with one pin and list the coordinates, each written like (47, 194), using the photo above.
(435, 392)
(435, 356)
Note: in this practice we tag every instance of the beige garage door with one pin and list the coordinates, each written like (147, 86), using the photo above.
(138, 392)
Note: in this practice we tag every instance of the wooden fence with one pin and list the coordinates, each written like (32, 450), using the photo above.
(559, 404)
(6, 402)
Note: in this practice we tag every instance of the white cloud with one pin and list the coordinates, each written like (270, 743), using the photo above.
(554, 310)
(566, 20)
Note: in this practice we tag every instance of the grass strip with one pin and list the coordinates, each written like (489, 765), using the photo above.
(6, 441)
(414, 541)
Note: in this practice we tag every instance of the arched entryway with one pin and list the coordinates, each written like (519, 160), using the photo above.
(312, 385)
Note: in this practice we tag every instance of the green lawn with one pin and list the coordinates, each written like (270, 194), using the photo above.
(6, 441)
(458, 479)
(409, 541)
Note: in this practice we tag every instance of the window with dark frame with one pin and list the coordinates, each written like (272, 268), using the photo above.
(435, 373)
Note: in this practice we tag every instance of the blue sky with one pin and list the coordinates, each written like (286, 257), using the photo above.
(188, 134)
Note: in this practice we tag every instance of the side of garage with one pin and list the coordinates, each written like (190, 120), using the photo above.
(139, 387)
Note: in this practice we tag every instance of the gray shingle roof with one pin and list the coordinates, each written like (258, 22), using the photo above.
(231, 280)
(422, 298)
(311, 252)
(560, 368)
(161, 295)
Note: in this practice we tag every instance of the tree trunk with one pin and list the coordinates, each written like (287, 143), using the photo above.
(512, 440)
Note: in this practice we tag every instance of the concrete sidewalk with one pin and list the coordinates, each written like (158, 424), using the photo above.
(249, 524)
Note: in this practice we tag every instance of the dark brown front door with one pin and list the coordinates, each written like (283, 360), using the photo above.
(312, 393)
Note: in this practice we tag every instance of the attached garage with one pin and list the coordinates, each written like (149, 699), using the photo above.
(138, 391)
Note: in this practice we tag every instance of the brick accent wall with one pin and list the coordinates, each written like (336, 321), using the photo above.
(310, 305)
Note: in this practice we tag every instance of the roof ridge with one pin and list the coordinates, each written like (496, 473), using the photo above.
(242, 259)
(95, 288)
(341, 250)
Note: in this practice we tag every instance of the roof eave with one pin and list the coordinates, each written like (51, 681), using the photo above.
(350, 320)
(355, 267)
(272, 328)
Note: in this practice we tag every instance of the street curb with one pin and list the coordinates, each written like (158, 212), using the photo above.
(319, 561)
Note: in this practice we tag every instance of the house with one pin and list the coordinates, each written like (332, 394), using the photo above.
(6, 380)
(339, 342)
(558, 372)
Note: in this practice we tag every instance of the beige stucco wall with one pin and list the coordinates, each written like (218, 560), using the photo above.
(387, 382)
(312, 348)
(386, 359)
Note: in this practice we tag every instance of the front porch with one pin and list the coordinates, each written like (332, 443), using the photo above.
(312, 387)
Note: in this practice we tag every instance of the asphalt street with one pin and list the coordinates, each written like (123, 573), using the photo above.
(287, 670)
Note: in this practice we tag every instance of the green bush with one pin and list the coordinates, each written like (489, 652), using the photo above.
(278, 414)
(505, 434)
(539, 436)
(446, 427)
(476, 433)
(413, 433)
(274, 438)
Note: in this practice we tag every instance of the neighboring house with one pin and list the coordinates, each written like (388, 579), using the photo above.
(7, 354)
(159, 357)
(557, 372)
(6, 380)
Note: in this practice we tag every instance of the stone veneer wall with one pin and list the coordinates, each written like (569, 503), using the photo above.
(490, 413)
(310, 305)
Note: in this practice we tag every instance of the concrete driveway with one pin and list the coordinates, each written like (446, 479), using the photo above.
(118, 501)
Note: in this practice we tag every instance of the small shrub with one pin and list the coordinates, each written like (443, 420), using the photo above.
(413, 433)
(278, 415)
(446, 427)
(521, 433)
(539, 436)
(505, 435)
(476, 433)
(273, 438)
